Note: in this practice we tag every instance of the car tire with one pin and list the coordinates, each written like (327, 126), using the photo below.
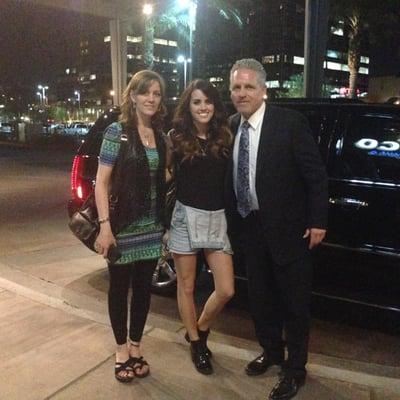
(164, 276)
(164, 280)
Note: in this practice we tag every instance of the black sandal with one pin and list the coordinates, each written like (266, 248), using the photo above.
(126, 367)
(139, 363)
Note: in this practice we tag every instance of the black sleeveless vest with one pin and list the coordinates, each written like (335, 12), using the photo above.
(134, 187)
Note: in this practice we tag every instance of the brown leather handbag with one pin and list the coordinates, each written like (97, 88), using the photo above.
(84, 222)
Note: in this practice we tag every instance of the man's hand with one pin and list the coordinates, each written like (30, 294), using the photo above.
(316, 236)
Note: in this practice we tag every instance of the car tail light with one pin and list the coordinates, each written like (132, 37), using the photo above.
(77, 184)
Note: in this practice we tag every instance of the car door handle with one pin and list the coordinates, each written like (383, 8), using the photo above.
(347, 201)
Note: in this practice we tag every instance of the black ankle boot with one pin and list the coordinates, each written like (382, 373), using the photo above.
(200, 358)
(203, 335)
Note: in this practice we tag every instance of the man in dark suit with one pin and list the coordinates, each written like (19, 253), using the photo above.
(278, 201)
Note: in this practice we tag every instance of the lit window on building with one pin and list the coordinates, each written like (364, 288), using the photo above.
(334, 66)
(272, 84)
(268, 59)
(172, 43)
(363, 70)
(107, 39)
(333, 54)
(364, 59)
(298, 60)
(92, 77)
(172, 61)
(133, 39)
(337, 31)
(162, 42)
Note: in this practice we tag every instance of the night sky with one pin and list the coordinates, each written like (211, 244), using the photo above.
(36, 43)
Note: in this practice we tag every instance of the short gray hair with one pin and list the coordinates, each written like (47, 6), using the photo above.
(254, 65)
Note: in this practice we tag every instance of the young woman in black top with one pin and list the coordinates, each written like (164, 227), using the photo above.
(201, 144)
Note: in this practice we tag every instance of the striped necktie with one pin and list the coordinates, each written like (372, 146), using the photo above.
(243, 178)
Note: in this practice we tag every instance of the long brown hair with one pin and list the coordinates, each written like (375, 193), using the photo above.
(184, 138)
(139, 84)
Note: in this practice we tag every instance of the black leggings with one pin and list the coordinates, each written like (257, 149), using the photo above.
(139, 275)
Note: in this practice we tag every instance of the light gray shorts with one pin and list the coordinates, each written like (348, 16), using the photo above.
(193, 229)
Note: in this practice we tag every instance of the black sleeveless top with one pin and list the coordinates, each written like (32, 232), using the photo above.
(200, 180)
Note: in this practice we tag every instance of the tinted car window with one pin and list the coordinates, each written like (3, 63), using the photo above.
(321, 121)
(370, 149)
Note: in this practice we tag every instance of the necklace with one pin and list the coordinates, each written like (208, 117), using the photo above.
(145, 137)
(202, 144)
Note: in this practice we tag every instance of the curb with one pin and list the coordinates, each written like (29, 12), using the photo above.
(373, 376)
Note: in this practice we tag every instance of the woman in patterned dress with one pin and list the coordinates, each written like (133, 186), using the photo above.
(140, 208)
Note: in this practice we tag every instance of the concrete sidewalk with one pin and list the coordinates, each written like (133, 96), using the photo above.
(56, 343)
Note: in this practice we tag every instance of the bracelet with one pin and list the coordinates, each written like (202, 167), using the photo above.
(101, 221)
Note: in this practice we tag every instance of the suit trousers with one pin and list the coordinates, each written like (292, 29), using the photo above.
(279, 299)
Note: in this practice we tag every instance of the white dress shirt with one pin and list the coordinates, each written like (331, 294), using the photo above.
(255, 122)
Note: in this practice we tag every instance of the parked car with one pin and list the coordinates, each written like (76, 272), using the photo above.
(77, 129)
(6, 130)
(360, 145)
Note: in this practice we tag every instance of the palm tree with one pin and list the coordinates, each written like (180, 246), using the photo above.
(364, 20)
(169, 15)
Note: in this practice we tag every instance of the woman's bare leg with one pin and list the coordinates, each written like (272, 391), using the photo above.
(221, 265)
(185, 265)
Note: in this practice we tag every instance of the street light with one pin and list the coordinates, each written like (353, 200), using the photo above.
(40, 97)
(185, 61)
(191, 5)
(77, 93)
(112, 94)
(148, 36)
(147, 9)
(43, 89)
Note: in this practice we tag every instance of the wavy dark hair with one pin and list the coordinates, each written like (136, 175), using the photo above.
(139, 84)
(184, 137)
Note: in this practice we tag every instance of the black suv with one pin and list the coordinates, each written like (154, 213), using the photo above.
(360, 144)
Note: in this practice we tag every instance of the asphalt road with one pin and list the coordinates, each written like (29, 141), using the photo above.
(34, 189)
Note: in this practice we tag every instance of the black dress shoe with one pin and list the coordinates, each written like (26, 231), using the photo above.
(286, 388)
(260, 365)
(199, 357)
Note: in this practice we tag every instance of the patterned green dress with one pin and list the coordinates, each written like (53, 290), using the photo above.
(142, 239)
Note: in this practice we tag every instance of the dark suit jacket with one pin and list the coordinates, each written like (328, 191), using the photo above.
(291, 184)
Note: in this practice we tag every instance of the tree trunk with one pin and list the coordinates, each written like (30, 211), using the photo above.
(353, 64)
(353, 54)
(148, 43)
